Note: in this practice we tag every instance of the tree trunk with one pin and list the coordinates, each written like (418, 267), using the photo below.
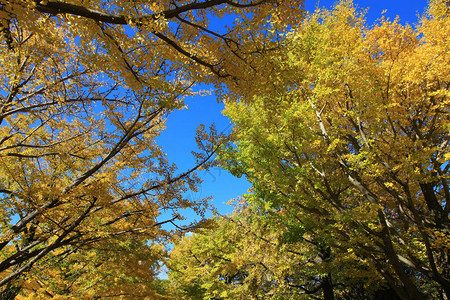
(327, 288)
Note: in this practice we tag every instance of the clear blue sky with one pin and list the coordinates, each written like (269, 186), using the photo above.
(178, 139)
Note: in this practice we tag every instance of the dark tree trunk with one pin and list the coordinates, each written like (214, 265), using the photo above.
(327, 288)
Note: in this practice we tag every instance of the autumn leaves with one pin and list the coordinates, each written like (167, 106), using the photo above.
(347, 154)
(341, 128)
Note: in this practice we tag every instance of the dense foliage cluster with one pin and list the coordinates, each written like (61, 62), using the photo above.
(348, 153)
(342, 129)
(85, 89)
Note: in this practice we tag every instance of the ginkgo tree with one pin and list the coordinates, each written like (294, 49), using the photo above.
(229, 260)
(351, 142)
(253, 253)
(85, 89)
(75, 151)
(243, 255)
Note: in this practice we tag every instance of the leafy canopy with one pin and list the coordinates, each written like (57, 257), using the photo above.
(350, 143)
(85, 89)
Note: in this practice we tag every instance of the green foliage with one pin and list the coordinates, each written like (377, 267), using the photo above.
(349, 151)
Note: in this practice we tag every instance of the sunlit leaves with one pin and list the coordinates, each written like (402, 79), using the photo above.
(349, 143)
(83, 182)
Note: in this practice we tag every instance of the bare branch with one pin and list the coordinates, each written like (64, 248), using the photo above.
(58, 7)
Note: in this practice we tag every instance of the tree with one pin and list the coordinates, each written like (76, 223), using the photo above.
(74, 149)
(252, 254)
(237, 257)
(85, 90)
(351, 141)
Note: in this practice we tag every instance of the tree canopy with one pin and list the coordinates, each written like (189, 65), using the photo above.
(86, 87)
(347, 151)
(342, 128)
(132, 39)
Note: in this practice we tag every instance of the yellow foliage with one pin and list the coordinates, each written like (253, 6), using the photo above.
(351, 142)
(86, 88)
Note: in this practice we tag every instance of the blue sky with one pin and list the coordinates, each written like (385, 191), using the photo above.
(178, 139)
